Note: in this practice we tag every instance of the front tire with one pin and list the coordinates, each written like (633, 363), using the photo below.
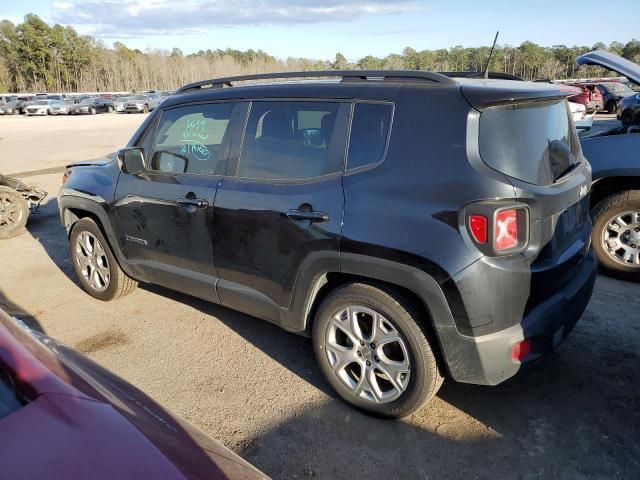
(14, 212)
(92, 111)
(627, 118)
(94, 264)
(616, 234)
(373, 351)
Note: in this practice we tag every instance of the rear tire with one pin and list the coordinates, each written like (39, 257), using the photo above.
(14, 212)
(611, 106)
(95, 265)
(612, 241)
(357, 368)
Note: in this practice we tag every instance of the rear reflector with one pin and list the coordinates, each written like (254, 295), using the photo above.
(478, 227)
(521, 350)
(506, 230)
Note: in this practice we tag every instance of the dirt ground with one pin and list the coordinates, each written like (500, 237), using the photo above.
(257, 389)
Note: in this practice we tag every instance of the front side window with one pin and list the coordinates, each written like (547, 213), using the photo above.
(189, 139)
(287, 140)
(369, 133)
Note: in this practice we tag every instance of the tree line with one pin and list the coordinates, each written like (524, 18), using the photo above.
(37, 57)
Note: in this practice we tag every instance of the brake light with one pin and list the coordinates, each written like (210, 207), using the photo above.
(506, 230)
(521, 350)
(478, 227)
(498, 227)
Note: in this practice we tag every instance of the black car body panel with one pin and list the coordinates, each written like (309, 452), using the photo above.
(613, 155)
(270, 247)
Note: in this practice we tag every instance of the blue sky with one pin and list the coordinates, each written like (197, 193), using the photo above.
(320, 28)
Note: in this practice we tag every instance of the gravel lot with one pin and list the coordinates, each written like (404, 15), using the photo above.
(256, 388)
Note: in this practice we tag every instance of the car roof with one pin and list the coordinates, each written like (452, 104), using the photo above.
(372, 85)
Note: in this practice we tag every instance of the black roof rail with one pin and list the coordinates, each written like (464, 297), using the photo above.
(492, 75)
(346, 75)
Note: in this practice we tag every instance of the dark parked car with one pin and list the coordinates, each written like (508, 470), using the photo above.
(10, 108)
(589, 96)
(612, 94)
(629, 110)
(62, 417)
(414, 225)
(92, 106)
(615, 198)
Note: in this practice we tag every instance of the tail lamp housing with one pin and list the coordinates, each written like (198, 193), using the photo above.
(497, 228)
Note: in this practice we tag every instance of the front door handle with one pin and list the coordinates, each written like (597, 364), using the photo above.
(193, 202)
(310, 216)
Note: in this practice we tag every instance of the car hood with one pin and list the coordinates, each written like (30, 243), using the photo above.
(100, 162)
(613, 62)
(82, 421)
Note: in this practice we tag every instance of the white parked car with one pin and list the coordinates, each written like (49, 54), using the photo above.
(578, 111)
(142, 103)
(41, 107)
(120, 104)
(62, 108)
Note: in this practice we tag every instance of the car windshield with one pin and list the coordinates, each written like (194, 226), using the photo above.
(617, 88)
(122, 99)
(138, 97)
(42, 102)
(87, 101)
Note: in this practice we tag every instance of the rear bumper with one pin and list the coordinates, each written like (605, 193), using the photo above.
(487, 360)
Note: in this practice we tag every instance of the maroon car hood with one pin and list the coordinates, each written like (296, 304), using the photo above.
(61, 437)
(81, 421)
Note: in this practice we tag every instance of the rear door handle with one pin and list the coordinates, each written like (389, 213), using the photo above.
(193, 202)
(313, 217)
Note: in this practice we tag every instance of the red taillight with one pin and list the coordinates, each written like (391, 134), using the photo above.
(478, 227)
(506, 230)
(520, 350)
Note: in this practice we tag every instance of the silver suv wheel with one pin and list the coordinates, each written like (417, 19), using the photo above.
(621, 238)
(92, 261)
(367, 354)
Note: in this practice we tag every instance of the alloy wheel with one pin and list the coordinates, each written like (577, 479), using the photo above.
(368, 354)
(92, 261)
(621, 239)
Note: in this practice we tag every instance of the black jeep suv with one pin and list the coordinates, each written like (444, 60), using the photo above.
(414, 225)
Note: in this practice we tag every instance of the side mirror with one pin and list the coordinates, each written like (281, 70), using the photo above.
(169, 162)
(132, 160)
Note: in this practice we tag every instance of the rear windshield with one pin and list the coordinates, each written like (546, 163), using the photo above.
(533, 142)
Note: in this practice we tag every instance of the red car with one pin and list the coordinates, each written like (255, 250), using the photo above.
(64, 417)
(590, 96)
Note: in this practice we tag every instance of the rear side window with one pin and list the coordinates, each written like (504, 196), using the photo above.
(287, 140)
(534, 142)
(189, 139)
(369, 133)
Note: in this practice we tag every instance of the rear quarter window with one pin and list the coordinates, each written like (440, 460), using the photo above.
(370, 129)
(533, 142)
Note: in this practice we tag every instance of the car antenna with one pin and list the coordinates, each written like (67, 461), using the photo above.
(486, 68)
